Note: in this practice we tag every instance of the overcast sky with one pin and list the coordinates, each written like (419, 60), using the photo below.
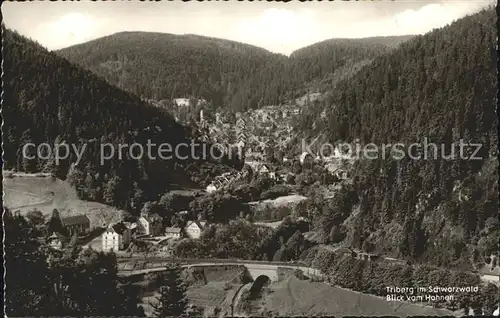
(278, 27)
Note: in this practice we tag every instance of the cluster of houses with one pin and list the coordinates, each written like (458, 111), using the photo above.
(77, 224)
(227, 178)
(259, 167)
(118, 236)
(223, 180)
(273, 113)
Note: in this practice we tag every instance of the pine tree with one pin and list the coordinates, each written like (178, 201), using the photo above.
(55, 224)
(27, 157)
(172, 301)
(25, 278)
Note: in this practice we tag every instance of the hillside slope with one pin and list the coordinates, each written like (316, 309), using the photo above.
(48, 100)
(294, 297)
(434, 209)
(320, 61)
(228, 74)
(165, 66)
(52, 193)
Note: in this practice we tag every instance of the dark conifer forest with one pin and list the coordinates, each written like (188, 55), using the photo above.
(225, 73)
(441, 86)
(49, 100)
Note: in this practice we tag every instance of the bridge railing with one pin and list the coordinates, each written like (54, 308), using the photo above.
(166, 262)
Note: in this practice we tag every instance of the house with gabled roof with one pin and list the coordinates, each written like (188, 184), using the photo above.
(116, 237)
(173, 232)
(193, 229)
(76, 224)
(150, 224)
(306, 158)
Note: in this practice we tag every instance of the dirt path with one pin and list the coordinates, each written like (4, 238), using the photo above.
(290, 292)
(44, 200)
(236, 299)
(24, 174)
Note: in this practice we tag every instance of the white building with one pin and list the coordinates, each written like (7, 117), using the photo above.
(173, 232)
(115, 238)
(55, 241)
(305, 157)
(211, 188)
(182, 102)
(150, 224)
(264, 169)
(194, 228)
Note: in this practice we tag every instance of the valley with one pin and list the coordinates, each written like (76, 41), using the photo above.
(280, 219)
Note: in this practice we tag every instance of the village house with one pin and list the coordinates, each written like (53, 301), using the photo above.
(267, 171)
(150, 224)
(264, 169)
(194, 228)
(167, 246)
(306, 159)
(272, 175)
(491, 269)
(115, 238)
(339, 173)
(173, 232)
(211, 188)
(76, 224)
(55, 241)
(132, 226)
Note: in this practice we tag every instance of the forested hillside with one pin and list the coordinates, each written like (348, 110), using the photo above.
(165, 66)
(440, 86)
(319, 62)
(230, 75)
(46, 99)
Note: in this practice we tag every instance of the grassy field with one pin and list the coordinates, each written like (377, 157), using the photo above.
(302, 297)
(214, 297)
(286, 200)
(273, 225)
(25, 192)
(211, 294)
(274, 209)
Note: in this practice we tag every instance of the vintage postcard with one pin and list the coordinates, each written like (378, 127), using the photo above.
(250, 159)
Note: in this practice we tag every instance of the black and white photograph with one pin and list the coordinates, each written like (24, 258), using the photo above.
(250, 158)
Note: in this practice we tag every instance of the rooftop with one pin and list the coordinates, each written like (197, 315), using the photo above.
(201, 224)
(54, 236)
(488, 270)
(76, 219)
(172, 230)
(117, 228)
(151, 218)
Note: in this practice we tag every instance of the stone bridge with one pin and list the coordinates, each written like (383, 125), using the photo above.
(273, 271)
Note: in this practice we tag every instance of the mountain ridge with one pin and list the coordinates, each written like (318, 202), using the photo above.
(231, 75)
